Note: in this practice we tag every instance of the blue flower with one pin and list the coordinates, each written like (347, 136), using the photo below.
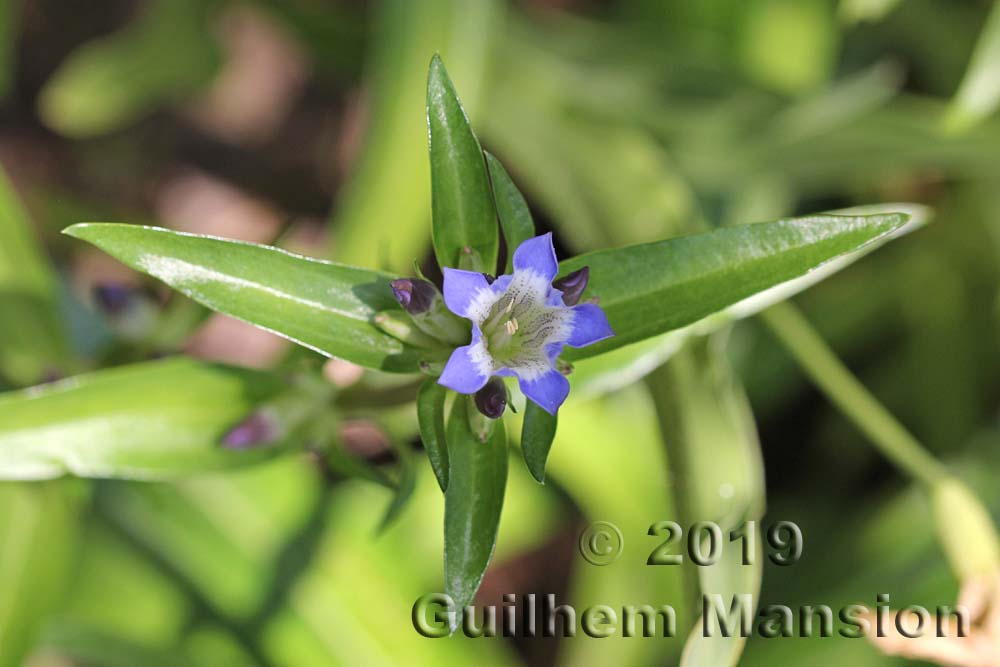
(520, 324)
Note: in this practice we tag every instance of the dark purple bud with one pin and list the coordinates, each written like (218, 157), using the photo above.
(113, 298)
(257, 429)
(573, 285)
(492, 399)
(490, 279)
(414, 295)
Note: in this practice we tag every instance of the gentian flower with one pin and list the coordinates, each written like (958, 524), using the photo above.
(520, 325)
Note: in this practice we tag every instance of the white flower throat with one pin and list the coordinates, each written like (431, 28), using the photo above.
(518, 325)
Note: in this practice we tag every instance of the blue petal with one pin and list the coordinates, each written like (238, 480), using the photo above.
(548, 390)
(537, 254)
(501, 284)
(461, 374)
(590, 325)
(461, 288)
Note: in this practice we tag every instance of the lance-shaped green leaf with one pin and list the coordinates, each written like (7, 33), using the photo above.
(656, 287)
(38, 531)
(472, 503)
(149, 420)
(537, 434)
(512, 209)
(614, 370)
(430, 416)
(464, 229)
(326, 307)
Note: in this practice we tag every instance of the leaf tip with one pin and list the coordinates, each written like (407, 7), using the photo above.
(539, 475)
(437, 73)
(439, 85)
(77, 231)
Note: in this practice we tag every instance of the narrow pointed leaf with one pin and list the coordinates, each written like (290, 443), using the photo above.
(464, 229)
(652, 288)
(145, 421)
(430, 416)
(537, 434)
(473, 503)
(512, 209)
(323, 306)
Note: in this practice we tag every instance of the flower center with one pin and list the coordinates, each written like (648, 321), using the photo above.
(502, 330)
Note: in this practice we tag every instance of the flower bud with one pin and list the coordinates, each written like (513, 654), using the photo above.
(113, 298)
(131, 311)
(426, 309)
(257, 429)
(573, 285)
(491, 400)
(414, 295)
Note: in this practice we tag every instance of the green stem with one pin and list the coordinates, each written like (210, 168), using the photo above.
(846, 391)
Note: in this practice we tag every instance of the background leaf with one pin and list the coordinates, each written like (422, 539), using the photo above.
(149, 420)
(34, 347)
(115, 80)
(39, 526)
(978, 95)
(325, 307)
(382, 214)
(609, 460)
(856, 11)
(464, 229)
(711, 441)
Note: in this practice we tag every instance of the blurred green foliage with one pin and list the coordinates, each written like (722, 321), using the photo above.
(622, 122)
